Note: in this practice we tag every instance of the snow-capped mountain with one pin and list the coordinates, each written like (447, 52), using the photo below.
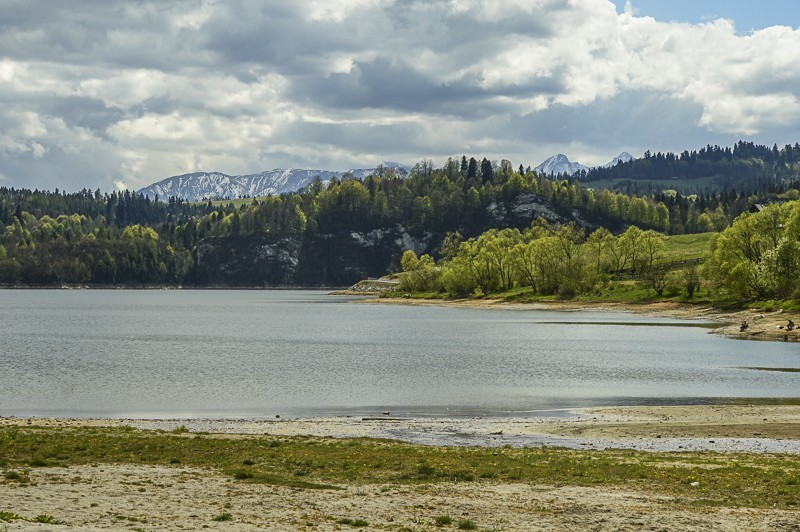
(201, 185)
(622, 157)
(560, 164)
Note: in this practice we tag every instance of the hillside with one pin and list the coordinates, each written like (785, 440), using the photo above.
(712, 169)
(328, 234)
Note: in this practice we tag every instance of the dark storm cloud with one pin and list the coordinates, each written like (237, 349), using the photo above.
(57, 169)
(43, 30)
(358, 137)
(387, 85)
(89, 113)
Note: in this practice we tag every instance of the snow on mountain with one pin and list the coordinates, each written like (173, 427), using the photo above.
(202, 185)
(622, 157)
(560, 164)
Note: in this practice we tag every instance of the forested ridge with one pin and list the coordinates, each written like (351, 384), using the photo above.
(747, 167)
(327, 234)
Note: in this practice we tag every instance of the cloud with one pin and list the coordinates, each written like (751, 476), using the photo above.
(97, 92)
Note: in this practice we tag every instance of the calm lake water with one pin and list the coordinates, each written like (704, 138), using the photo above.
(198, 353)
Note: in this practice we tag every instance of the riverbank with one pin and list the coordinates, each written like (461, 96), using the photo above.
(299, 473)
(760, 325)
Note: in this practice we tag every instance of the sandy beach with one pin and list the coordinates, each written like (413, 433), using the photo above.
(139, 497)
(130, 497)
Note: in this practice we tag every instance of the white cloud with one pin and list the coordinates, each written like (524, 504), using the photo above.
(132, 93)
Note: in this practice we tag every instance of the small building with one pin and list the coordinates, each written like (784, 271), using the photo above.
(756, 207)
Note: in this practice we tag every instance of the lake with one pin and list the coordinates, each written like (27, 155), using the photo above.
(225, 353)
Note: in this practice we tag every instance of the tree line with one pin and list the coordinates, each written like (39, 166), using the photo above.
(547, 260)
(124, 237)
(749, 167)
(756, 258)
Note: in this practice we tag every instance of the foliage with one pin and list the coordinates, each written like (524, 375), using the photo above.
(551, 260)
(758, 257)
(712, 168)
(475, 214)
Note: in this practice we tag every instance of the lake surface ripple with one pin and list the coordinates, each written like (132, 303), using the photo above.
(219, 354)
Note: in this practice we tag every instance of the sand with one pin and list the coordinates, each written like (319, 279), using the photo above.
(175, 498)
(156, 498)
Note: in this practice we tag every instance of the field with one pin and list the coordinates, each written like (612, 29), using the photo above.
(685, 186)
(687, 247)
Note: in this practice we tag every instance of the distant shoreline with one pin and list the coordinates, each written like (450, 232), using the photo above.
(761, 325)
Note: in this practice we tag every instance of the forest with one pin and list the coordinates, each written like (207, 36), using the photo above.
(746, 167)
(335, 233)
(756, 258)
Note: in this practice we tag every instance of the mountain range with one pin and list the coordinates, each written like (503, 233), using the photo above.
(215, 185)
(560, 164)
(199, 186)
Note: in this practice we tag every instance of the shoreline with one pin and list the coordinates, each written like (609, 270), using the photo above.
(747, 428)
(761, 325)
(707, 447)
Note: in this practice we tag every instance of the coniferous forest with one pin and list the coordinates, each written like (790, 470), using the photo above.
(333, 234)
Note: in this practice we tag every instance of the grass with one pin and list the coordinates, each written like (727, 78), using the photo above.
(353, 522)
(223, 517)
(685, 186)
(466, 524)
(684, 247)
(765, 481)
(443, 520)
(41, 518)
(629, 292)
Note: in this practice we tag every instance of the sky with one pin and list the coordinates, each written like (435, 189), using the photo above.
(120, 94)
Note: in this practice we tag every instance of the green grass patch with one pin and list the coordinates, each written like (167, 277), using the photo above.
(685, 247)
(353, 522)
(8, 517)
(684, 186)
(443, 520)
(17, 476)
(322, 463)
